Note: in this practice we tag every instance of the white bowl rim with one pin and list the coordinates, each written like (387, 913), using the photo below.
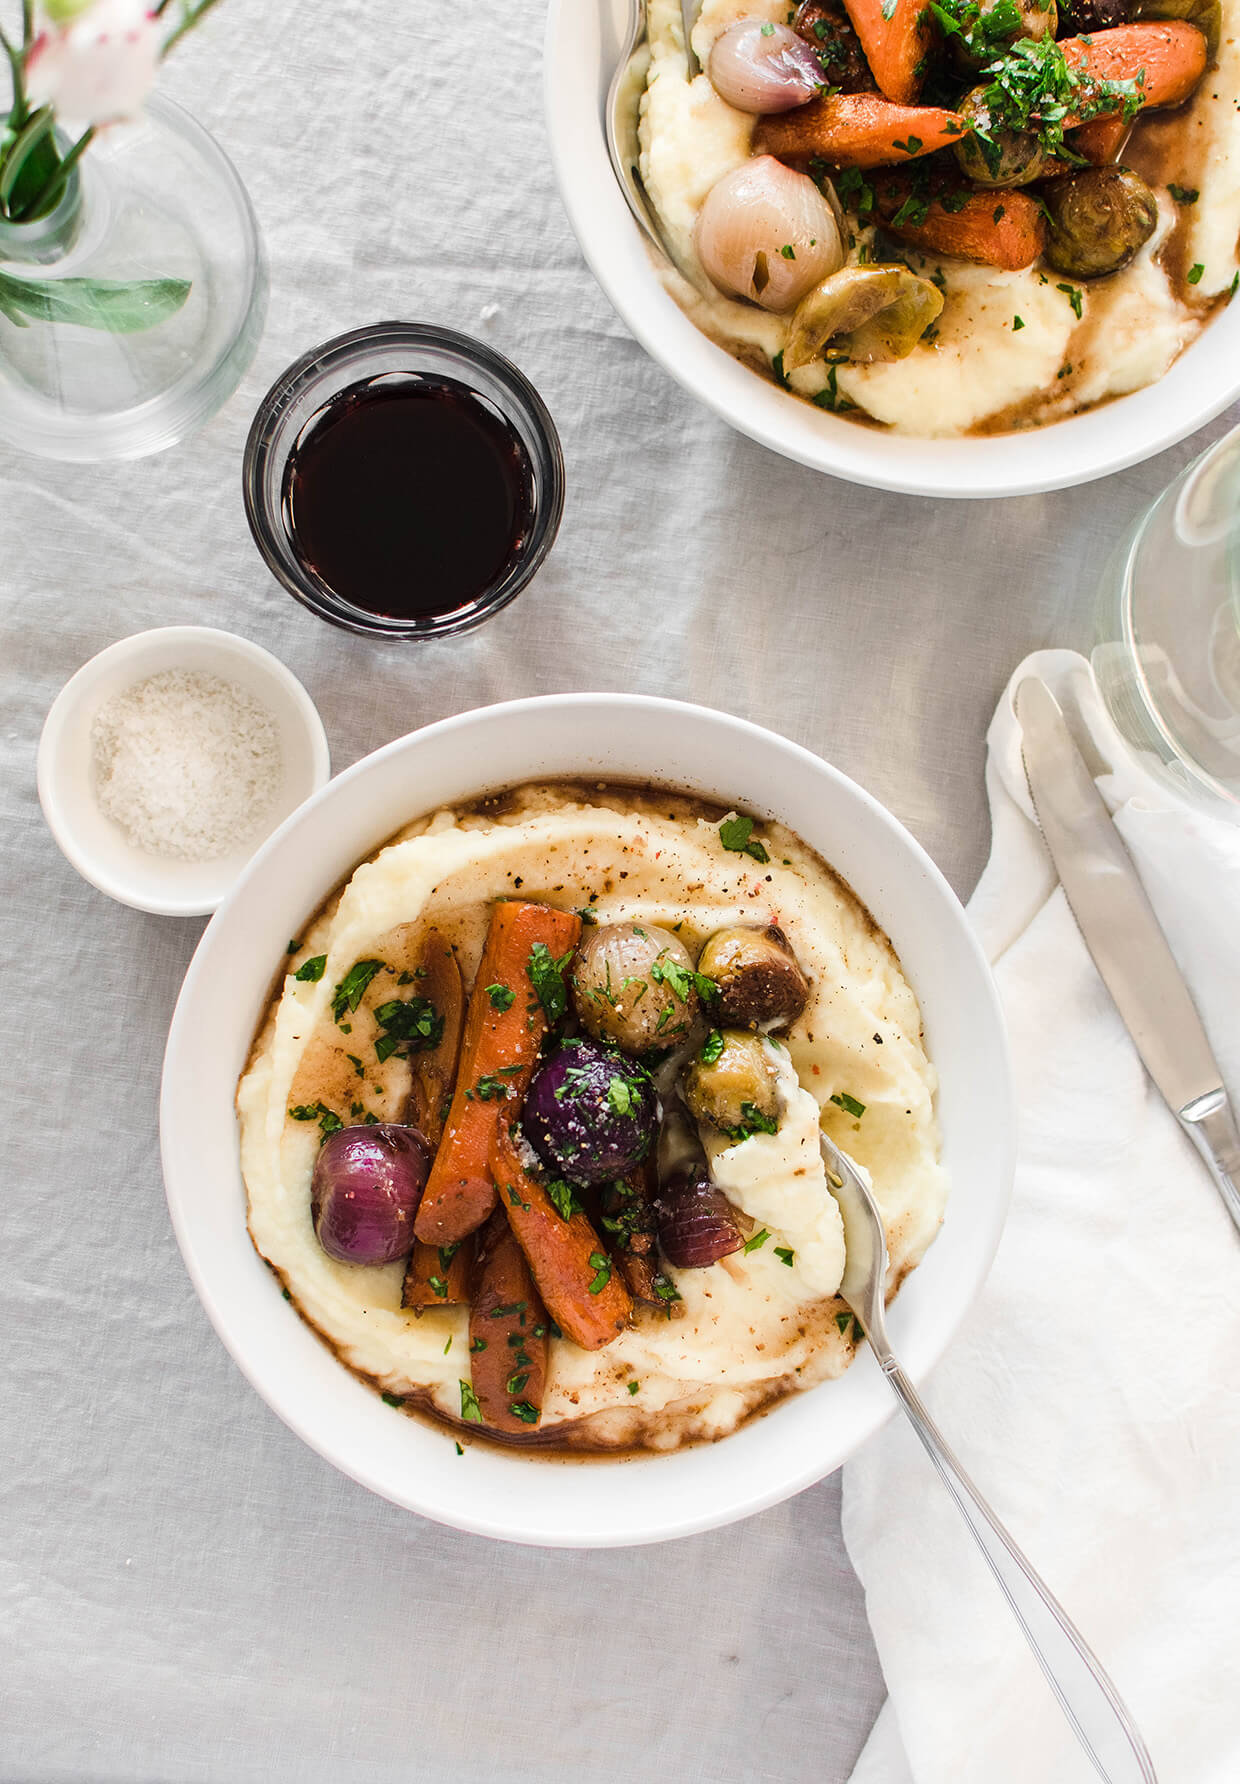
(1121, 432)
(271, 1385)
(134, 646)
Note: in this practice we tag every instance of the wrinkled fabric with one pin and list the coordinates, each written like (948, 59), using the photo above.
(1092, 1393)
(186, 1593)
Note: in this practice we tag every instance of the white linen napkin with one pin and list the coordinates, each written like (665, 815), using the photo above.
(1094, 1392)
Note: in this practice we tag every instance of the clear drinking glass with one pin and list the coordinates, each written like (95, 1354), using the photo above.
(1167, 660)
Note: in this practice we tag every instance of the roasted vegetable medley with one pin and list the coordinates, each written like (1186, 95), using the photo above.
(552, 1161)
(993, 131)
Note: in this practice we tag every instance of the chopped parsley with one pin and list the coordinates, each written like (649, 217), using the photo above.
(438, 1286)
(470, 1408)
(489, 1089)
(736, 835)
(784, 1255)
(831, 397)
(758, 1239)
(447, 1347)
(392, 1399)
(712, 1048)
(523, 1410)
(546, 975)
(842, 1323)
(620, 1096)
(311, 971)
(1035, 89)
(889, 13)
(1073, 295)
(849, 1104)
(352, 988)
(562, 1197)
(665, 1289)
(502, 996)
(752, 1121)
(788, 251)
(601, 1265)
(1184, 194)
(633, 1386)
(459, 1450)
(412, 1025)
(329, 1122)
(1017, 324)
(516, 1383)
(777, 366)
(1194, 273)
(682, 981)
(911, 147)
(768, 30)
(914, 210)
(478, 1344)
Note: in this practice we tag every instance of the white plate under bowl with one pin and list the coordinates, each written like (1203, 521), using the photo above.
(97, 846)
(610, 736)
(583, 43)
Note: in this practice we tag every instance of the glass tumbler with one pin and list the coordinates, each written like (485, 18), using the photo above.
(1167, 660)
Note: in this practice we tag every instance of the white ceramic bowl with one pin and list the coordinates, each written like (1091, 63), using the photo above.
(584, 39)
(97, 847)
(491, 1491)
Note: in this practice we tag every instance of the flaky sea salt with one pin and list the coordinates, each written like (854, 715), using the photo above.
(187, 764)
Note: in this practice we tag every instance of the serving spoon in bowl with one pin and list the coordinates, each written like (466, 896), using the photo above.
(1086, 1695)
(620, 115)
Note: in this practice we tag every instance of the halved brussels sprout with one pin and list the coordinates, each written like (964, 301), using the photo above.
(868, 314)
(1207, 15)
(759, 978)
(1099, 218)
(731, 1083)
(992, 155)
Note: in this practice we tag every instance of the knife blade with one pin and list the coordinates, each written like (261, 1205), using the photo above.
(1121, 931)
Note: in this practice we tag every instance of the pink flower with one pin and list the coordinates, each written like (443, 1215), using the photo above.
(99, 67)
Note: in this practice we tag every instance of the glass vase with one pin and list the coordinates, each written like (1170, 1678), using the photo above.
(129, 315)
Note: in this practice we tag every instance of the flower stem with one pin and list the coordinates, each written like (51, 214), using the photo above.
(53, 187)
(187, 24)
(27, 23)
(17, 62)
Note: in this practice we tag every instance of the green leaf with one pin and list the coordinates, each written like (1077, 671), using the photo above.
(849, 1104)
(36, 128)
(311, 971)
(116, 306)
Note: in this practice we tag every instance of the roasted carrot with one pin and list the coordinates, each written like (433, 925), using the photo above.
(436, 1276)
(896, 39)
(568, 1260)
(504, 1027)
(997, 228)
(1101, 142)
(508, 1333)
(1165, 59)
(858, 130)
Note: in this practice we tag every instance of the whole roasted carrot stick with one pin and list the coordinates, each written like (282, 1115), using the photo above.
(508, 1333)
(895, 37)
(504, 1026)
(858, 130)
(436, 1275)
(576, 1278)
(1165, 59)
(996, 228)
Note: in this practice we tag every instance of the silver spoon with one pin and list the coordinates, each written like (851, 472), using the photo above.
(620, 116)
(1086, 1695)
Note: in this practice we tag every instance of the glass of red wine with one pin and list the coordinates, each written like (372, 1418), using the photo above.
(403, 480)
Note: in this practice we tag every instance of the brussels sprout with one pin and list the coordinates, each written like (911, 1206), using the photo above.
(991, 154)
(1099, 217)
(731, 1084)
(1207, 15)
(634, 984)
(759, 980)
(867, 314)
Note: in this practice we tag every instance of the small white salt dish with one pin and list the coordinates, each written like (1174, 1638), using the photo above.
(92, 842)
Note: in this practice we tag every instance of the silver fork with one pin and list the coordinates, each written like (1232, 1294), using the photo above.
(1086, 1695)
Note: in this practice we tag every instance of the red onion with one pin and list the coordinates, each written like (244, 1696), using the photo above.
(696, 1226)
(365, 1192)
(760, 67)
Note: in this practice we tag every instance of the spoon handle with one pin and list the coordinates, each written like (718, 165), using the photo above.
(1086, 1695)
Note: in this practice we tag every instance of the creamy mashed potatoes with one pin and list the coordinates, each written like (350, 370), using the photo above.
(978, 372)
(750, 1328)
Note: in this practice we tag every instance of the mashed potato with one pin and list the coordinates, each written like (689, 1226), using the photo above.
(752, 1327)
(978, 372)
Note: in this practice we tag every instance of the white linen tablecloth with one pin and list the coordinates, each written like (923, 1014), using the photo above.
(1091, 1393)
(186, 1593)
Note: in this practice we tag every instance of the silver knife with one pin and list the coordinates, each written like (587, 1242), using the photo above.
(1122, 933)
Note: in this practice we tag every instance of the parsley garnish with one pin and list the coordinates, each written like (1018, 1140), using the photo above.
(439, 1286)
(351, 989)
(752, 1121)
(1184, 194)
(736, 834)
(516, 1383)
(412, 1024)
(633, 1386)
(777, 366)
(1194, 273)
(459, 1450)
(601, 1265)
(788, 251)
(1017, 324)
(759, 1238)
(489, 1089)
(712, 1047)
(470, 1408)
(914, 210)
(849, 1104)
(620, 1096)
(831, 397)
(502, 997)
(329, 1122)
(478, 1344)
(392, 1399)
(546, 975)
(562, 1197)
(681, 980)
(665, 1289)
(1073, 295)
(913, 145)
(768, 30)
(842, 1323)
(784, 1255)
(311, 971)
(525, 1412)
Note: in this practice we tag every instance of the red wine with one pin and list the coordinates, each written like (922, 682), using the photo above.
(409, 499)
